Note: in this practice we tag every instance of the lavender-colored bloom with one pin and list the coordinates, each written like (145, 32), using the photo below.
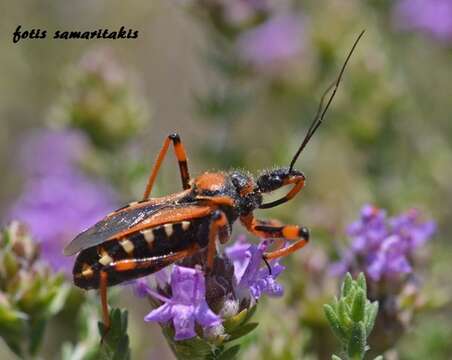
(142, 286)
(384, 247)
(234, 284)
(249, 274)
(240, 256)
(58, 200)
(370, 230)
(187, 304)
(431, 16)
(389, 260)
(273, 43)
(410, 227)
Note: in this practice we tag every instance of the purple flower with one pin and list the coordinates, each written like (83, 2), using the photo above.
(369, 230)
(410, 227)
(430, 16)
(58, 200)
(272, 44)
(390, 259)
(249, 274)
(187, 305)
(236, 281)
(384, 247)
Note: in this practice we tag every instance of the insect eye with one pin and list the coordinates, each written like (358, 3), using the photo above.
(239, 181)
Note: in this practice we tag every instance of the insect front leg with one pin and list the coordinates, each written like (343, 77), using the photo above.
(181, 159)
(272, 229)
(296, 180)
(219, 227)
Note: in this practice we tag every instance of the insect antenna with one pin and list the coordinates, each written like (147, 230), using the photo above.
(321, 110)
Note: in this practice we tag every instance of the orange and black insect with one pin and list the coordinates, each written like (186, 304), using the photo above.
(145, 236)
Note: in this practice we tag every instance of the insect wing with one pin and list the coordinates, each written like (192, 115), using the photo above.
(168, 215)
(111, 225)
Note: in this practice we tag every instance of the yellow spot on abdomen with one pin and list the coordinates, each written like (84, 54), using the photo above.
(168, 229)
(105, 258)
(127, 245)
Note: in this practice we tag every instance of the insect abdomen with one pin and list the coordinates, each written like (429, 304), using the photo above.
(150, 244)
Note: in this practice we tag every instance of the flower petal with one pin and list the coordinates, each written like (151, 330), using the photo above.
(161, 314)
(206, 317)
(188, 285)
(184, 322)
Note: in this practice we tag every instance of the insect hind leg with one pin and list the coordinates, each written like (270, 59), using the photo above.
(127, 269)
(103, 284)
(181, 159)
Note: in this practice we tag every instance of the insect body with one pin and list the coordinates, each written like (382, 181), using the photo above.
(144, 237)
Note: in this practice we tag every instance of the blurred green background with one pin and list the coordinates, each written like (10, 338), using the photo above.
(387, 139)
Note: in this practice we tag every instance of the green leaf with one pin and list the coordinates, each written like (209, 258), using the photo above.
(343, 315)
(371, 315)
(358, 306)
(357, 343)
(115, 341)
(37, 327)
(229, 354)
(362, 282)
(243, 330)
(191, 349)
(335, 357)
(59, 300)
(250, 313)
(232, 323)
(346, 285)
(334, 323)
(196, 349)
(13, 325)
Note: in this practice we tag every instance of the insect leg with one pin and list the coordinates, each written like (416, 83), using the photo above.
(103, 283)
(159, 262)
(218, 227)
(181, 158)
(287, 250)
(269, 229)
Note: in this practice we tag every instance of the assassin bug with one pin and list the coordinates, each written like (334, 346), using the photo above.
(145, 236)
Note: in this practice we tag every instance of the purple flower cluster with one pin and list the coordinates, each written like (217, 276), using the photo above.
(187, 305)
(193, 296)
(272, 44)
(383, 247)
(58, 200)
(250, 276)
(431, 16)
